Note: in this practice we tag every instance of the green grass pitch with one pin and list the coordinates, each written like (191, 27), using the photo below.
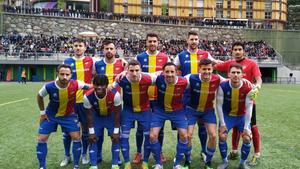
(278, 116)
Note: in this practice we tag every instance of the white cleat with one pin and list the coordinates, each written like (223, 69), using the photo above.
(85, 160)
(65, 161)
(177, 167)
(157, 166)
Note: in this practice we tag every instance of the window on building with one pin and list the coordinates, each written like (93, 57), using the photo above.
(219, 9)
(200, 3)
(190, 3)
(147, 10)
(200, 12)
(268, 9)
(148, 2)
(228, 8)
(165, 10)
(174, 11)
(249, 9)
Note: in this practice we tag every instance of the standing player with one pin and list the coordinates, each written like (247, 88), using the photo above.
(202, 89)
(187, 62)
(234, 107)
(103, 111)
(111, 67)
(151, 61)
(60, 111)
(136, 107)
(251, 73)
(169, 107)
(82, 69)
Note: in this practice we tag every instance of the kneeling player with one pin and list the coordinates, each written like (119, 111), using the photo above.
(103, 108)
(234, 107)
(60, 111)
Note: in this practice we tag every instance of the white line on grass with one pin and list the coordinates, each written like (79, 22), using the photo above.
(3, 104)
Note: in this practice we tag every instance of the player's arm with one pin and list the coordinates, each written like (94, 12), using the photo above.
(248, 115)
(117, 111)
(219, 107)
(177, 63)
(89, 115)
(214, 61)
(40, 100)
(84, 86)
(187, 77)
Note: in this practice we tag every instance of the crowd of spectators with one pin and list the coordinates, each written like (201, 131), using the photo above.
(30, 45)
(197, 21)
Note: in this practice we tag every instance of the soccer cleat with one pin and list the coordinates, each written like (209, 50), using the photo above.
(224, 165)
(233, 156)
(157, 166)
(65, 161)
(93, 167)
(208, 166)
(186, 165)
(243, 166)
(162, 157)
(127, 165)
(120, 162)
(85, 160)
(137, 158)
(144, 165)
(254, 161)
(177, 167)
(115, 167)
(203, 156)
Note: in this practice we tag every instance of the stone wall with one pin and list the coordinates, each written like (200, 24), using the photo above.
(29, 24)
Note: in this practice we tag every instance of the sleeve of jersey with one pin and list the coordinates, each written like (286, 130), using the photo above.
(249, 107)
(220, 97)
(187, 77)
(222, 78)
(176, 61)
(117, 99)
(221, 67)
(210, 57)
(43, 92)
(82, 85)
(86, 103)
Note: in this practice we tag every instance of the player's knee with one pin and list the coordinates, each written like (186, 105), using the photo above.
(75, 135)
(42, 138)
(183, 136)
(222, 137)
(153, 136)
(212, 136)
(246, 139)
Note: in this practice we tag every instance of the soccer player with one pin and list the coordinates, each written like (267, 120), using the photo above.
(82, 69)
(187, 62)
(136, 107)
(103, 108)
(234, 107)
(169, 107)
(151, 61)
(202, 88)
(60, 111)
(111, 67)
(253, 74)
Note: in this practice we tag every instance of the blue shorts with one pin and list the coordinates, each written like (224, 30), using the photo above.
(159, 117)
(67, 123)
(103, 122)
(79, 110)
(208, 116)
(128, 118)
(234, 121)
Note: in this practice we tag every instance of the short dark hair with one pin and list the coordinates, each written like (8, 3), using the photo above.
(151, 35)
(236, 65)
(133, 62)
(100, 80)
(63, 66)
(169, 64)
(238, 44)
(192, 33)
(205, 62)
(107, 42)
(79, 40)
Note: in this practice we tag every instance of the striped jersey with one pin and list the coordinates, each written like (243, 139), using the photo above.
(82, 69)
(61, 100)
(170, 95)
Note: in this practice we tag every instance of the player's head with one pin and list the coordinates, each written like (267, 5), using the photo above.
(152, 42)
(170, 72)
(64, 73)
(100, 83)
(109, 49)
(79, 47)
(238, 51)
(235, 73)
(193, 40)
(134, 70)
(206, 69)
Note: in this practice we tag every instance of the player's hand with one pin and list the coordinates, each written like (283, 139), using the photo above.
(223, 132)
(43, 118)
(115, 138)
(92, 138)
(254, 92)
(120, 76)
(110, 87)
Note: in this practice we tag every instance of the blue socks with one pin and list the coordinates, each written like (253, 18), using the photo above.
(245, 150)
(209, 154)
(156, 149)
(139, 138)
(181, 150)
(202, 134)
(84, 139)
(125, 145)
(147, 146)
(41, 153)
(76, 152)
(67, 143)
(93, 153)
(223, 149)
(115, 150)
(99, 145)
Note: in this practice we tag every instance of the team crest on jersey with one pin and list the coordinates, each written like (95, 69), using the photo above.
(87, 63)
(228, 93)
(145, 60)
(186, 56)
(54, 94)
(197, 84)
(95, 103)
(102, 68)
(162, 86)
(159, 60)
(72, 64)
(127, 87)
(117, 68)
